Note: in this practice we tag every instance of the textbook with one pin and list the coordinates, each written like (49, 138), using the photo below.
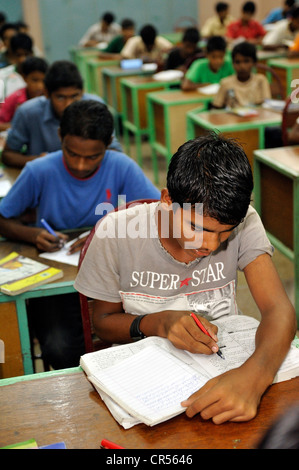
(146, 381)
(19, 274)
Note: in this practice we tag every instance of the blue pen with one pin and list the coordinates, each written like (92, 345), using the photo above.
(47, 227)
(50, 230)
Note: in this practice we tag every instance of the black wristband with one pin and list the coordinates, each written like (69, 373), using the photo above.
(135, 332)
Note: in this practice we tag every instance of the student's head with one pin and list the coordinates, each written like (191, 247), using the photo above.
(86, 131)
(8, 30)
(222, 10)
(63, 84)
(21, 46)
(106, 20)
(244, 59)
(127, 28)
(189, 41)
(33, 70)
(216, 47)
(248, 11)
(2, 18)
(214, 171)
(294, 19)
(148, 35)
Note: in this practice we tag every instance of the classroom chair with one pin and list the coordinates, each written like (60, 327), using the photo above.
(277, 90)
(92, 342)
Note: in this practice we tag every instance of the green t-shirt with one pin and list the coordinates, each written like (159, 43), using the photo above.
(115, 45)
(200, 71)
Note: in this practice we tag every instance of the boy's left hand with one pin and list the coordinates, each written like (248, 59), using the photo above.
(77, 245)
(231, 396)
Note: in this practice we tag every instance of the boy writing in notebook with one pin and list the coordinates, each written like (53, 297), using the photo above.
(185, 264)
(65, 188)
(244, 87)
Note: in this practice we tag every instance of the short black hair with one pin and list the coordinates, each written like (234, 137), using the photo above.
(127, 23)
(221, 6)
(191, 35)
(249, 7)
(21, 41)
(108, 17)
(215, 171)
(89, 119)
(148, 34)
(7, 26)
(34, 64)
(216, 43)
(63, 74)
(289, 3)
(246, 49)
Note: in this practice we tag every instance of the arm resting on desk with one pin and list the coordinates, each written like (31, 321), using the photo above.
(17, 159)
(235, 395)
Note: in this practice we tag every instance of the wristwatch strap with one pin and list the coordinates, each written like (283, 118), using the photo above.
(135, 332)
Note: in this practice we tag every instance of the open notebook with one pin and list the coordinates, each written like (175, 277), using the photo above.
(147, 381)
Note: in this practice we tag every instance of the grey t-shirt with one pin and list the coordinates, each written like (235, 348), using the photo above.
(141, 274)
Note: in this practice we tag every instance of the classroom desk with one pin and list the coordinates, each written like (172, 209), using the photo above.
(63, 406)
(287, 69)
(111, 77)
(167, 112)
(276, 196)
(94, 79)
(249, 131)
(13, 315)
(80, 55)
(134, 91)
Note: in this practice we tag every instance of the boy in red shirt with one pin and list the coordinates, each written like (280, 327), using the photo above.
(33, 71)
(246, 27)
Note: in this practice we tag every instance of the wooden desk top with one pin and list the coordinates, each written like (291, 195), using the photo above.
(285, 62)
(224, 118)
(177, 96)
(285, 157)
(67, 408)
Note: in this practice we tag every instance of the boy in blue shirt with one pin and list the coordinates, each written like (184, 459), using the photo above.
(65, 188)
(36, 122)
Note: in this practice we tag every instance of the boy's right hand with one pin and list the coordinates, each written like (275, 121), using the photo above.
(45, 241)
(180, 328)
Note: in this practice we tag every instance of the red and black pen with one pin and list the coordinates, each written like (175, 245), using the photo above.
(203, 329)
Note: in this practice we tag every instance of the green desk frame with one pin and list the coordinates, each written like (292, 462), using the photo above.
(287, 70)
(111, 89)
(276, 196)
(166, 121)
(80, 56)
(94, 81)
(134, 113)
(240, 128)
(20, 302)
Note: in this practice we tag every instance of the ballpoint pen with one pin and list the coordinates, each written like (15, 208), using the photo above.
(200, 325)
(51, 231)
(105, 444)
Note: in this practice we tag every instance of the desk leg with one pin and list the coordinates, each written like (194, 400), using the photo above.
(296, 247)
(24, 335)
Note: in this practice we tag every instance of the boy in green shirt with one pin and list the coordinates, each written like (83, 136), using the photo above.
(112, 51)
(211, 69)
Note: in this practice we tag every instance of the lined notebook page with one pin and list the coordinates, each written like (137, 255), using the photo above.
(150, 385)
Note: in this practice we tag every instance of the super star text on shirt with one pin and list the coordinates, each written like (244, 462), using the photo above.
(167, 281)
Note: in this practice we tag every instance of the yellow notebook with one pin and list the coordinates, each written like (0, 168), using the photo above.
(19, 274)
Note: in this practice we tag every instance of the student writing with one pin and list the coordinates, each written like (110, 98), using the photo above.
(36, 122)
(65, 188)
(182, 264)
